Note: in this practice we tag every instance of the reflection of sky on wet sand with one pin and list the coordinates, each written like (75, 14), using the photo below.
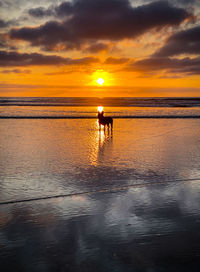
(151, 228)
(48, 157)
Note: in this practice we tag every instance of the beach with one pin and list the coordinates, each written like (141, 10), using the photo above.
(99, 136)
(73, 198)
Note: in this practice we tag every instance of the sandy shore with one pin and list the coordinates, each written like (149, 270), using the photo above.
(145, 228)
(76, 199)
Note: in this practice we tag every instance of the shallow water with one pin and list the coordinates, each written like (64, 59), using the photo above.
(91, 112)
(133, 195)
(45, 157)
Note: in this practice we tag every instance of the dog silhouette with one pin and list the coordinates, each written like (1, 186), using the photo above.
(105, 121)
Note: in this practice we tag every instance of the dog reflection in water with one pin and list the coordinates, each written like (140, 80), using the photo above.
(104, 121)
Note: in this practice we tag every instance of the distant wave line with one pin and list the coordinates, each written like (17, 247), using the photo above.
(94, 117)
(133, 105)
(104, 101)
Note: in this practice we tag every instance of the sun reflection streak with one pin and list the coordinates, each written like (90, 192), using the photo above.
(101, 137)
(101, 144)
(98, 141)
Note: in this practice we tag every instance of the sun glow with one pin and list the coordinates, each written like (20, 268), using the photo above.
(101, 78)
(100, 109)
(100, 81)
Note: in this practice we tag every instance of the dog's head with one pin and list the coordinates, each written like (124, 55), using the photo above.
(100, 114)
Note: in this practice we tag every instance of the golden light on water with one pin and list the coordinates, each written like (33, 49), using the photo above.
(100, 109)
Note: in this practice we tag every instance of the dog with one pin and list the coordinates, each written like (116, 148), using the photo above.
(104, 120)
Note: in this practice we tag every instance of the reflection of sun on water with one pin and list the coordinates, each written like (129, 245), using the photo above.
(100, 109)
(97, 143)
(101, 137)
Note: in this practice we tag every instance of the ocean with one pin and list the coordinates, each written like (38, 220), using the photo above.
(80, 107)
(73, 198)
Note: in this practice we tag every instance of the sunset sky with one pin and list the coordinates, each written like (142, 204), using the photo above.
(138, 47)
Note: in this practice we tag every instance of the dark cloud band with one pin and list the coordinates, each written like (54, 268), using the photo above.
(16, 59)
(187, 66)
(40, 12)
(183, 42)
(99, 20)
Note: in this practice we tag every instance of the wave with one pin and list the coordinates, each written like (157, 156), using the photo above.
(106, 101)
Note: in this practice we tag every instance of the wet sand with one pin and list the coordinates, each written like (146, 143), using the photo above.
(131, 198)
(149, 228)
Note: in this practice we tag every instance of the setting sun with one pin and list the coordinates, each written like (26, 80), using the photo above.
(99, 49)
(100, 81)
(101, 78)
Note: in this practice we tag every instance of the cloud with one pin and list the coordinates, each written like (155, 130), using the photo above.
(59, 73)
(61, 10)
(91, 20)
(183, 42)
(83, 61)
(188, 66)
(17, 59)
(194, 4)
(4, 23)
(181, 3)
(16, 71)
(40, 12)
(65, 8)
(97, 47)
(112, 60)
(4, 43)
